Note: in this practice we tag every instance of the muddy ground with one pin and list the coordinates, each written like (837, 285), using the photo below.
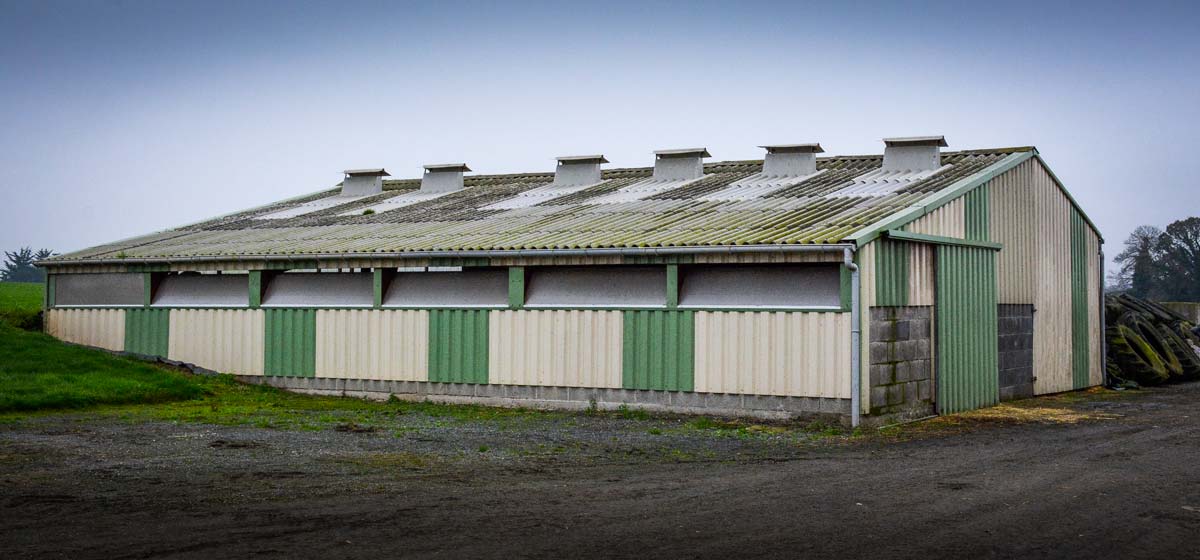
(1112, 477)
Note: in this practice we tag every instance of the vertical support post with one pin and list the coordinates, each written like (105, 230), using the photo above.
(255, 288)
(147, 288)
(1103, 322)
(672, 286)
(49, 295)
(846, 288)
(516, 287)
(377, 286)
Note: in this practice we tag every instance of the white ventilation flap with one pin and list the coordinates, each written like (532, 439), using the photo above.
(783, 166)
(573, 174)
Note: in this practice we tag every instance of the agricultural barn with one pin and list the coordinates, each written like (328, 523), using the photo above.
(919, 281)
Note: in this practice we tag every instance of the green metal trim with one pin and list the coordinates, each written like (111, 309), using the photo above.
(1067, 194)
(1080, 362)
(147, 288)
(458, 346)
(967, 329)
(976, 211)
(658, 350)
(672, 286)
(891, 272)
(255, 287)
(845, 287)
(377, 288)
(147, 331)
(290, 341)
(939, 240)
(516, 287)
(938, 199)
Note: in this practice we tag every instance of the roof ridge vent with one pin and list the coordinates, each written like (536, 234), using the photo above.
(363, 182)
(791, 160)
(679, 165)
(578, 170)
(913, 153)
(443, 177)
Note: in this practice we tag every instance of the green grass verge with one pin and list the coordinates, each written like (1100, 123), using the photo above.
(20, 303)
(38, 372)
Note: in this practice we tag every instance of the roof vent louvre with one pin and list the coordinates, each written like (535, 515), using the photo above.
(679, 165)
(363, 182)
(915, 153)
(791, 160)
(444, 177)
(578, 170)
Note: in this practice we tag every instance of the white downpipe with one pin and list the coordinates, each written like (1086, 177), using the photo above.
(855, 341)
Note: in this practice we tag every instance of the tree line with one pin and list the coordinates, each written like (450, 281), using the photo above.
(18, 265)
(1160, 265)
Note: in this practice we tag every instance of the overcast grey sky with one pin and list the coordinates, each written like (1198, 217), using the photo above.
(125, 117)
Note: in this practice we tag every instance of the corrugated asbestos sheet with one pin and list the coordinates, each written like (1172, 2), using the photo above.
(1080, 356)
(224, 340)
(458, 345)
(1013, 224)
(921, 274)
(946, 221)
(555, 348)
(101, 328)
(967, 343)
(659, 350)
(372, 344)
(1052, 348)
(290, 340)
(787, 354)
(794, 214)
(975, 214)
(148, 331)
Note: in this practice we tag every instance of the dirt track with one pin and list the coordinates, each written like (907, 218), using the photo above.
(1124, 487)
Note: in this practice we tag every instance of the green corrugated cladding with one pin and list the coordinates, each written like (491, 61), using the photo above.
(147, 331)
(1079, 301)
(658, 350)
(891, 272)
(975, 208)
(290, 346)
(968, 342)
(458, 345)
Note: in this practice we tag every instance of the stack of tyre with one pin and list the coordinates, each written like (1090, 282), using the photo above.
(1149, 344)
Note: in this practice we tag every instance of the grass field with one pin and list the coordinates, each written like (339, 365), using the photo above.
(20, 303)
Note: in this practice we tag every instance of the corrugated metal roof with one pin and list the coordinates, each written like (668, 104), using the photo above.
(625, 210)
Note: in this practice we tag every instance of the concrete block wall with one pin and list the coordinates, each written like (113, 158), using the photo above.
(1016, 351)
(901, 361)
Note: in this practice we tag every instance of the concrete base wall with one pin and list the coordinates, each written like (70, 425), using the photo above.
(901, 364)
(1016, 351)
(570, 398)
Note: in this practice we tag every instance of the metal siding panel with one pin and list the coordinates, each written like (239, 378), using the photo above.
(975, 214)
(225, 340)
(1080, 332)
(1014, 224)
(100, 328)
(576, 348)
(658, 350)
(1052, 296)
(372, 344)
(147, 331)
(785, 354)
(967, 345)
(458, 345)
(1094, 301)
(921, 274)
(865, 259)
(947, 221)
(891, 272)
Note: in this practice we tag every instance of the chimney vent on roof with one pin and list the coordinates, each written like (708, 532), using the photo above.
(679, 165)
(791, 160)
(578, 170)
(916, 153)
(363, 182)
(446, 177)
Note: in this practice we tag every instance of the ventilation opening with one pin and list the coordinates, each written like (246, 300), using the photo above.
(915, 153)
(763, 286)
(95, 290)
(191, 289)
(442, 178)
(312, 289)
(596, 286)
(448, 287)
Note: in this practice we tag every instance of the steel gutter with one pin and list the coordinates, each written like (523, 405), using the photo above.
(490, 253)
(855, 340)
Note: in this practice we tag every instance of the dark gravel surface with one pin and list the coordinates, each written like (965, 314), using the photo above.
(89, 486)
